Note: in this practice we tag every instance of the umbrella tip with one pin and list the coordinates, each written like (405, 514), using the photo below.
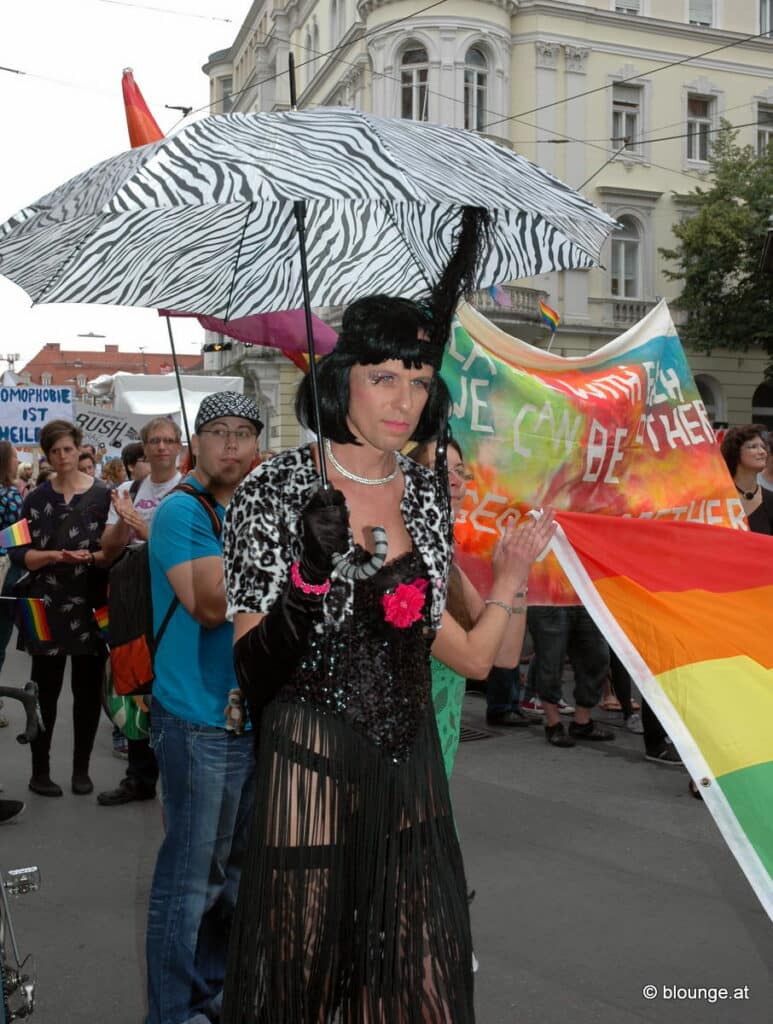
(128, 71)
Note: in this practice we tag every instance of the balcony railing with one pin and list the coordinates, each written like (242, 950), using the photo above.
(524, 302)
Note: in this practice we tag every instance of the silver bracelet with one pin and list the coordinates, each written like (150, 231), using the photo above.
(509, 608)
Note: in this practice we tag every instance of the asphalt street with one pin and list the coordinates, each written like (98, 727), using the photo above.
(596, 875)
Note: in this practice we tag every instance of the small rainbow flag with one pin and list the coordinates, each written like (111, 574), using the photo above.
(549, 316)
(34, 618)
(657, 590)
(103, 619)
(13, 536)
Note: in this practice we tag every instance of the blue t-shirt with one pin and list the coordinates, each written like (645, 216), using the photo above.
(193, 666)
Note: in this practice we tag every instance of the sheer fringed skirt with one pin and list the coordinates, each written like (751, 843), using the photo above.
(352, 905)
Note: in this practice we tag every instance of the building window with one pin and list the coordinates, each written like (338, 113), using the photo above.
(45, 379)
(701, 13)
(226, 94)
(475, 89)
(699, 124)
(81, 380)
(414, 70)
(764, 128)
(762, 405)
(626, 260)
(626, 117)
(628, 7)
(308, 59)
(766, 15)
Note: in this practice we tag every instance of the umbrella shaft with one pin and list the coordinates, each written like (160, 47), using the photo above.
(300, 218)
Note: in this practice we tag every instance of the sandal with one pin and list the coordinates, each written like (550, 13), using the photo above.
(611, 704)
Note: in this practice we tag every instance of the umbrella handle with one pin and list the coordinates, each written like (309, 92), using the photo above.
(347, 570)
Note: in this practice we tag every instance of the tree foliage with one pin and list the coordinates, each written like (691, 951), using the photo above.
(726, 294)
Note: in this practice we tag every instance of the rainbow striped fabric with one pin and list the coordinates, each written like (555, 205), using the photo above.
(549, 316)
(13, 536)
(103, 619)
(689, 610)
(34, 618)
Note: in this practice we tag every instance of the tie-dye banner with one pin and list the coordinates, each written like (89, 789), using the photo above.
(621, 431)
(689, 610)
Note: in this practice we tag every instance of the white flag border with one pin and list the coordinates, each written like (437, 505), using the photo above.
(653, 693)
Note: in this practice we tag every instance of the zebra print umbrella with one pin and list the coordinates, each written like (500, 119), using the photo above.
(203, 222)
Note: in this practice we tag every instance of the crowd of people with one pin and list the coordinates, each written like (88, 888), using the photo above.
(304, 719)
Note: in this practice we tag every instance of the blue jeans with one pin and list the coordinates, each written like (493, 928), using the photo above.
(558, 632)
(208, 782)
(503, 690)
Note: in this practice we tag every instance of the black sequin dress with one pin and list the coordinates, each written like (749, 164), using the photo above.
(352, 905)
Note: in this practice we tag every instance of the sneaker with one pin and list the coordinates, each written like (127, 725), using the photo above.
(556, 736)
(532, 707)
(564, 708)
(10, 809)
(511, 719)
(120, 746)
(128, 790)
(633, 723)
(664, 755)
(590, 731)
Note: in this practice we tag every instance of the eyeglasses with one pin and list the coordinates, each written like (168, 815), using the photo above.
(461, 473)
(242, 435)
(168, 441)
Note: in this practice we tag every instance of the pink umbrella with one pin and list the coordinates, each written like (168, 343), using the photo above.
(285, 330)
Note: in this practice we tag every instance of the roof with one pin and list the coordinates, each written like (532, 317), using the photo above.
(66, 365)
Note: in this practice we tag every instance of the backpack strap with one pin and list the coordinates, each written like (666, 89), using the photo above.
(134, 489)
(207, 501)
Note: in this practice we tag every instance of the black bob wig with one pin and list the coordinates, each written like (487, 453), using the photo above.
(374, 330)
(378, 328)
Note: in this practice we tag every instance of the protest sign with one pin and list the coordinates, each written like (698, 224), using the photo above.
(24, 410)
(621, 431)
(104, 427)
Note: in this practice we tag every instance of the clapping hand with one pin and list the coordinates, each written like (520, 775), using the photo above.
(520, 545)
(124, 506)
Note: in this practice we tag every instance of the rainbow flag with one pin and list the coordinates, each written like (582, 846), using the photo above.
(689, 610)
(34, 620)
(549, 316)
(13, 536)
(103, 619)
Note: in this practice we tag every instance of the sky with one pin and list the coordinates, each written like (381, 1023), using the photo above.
(67, 113)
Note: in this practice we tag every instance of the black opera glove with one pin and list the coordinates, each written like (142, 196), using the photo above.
(325, 533)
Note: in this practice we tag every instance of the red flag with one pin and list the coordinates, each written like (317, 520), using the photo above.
(139, 120)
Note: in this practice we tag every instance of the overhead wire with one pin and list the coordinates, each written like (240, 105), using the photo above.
(633, 78)
(164, 10)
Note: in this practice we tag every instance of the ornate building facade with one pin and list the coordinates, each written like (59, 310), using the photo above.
(619, 98)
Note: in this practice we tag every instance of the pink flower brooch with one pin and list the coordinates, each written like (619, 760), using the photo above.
(404, 607)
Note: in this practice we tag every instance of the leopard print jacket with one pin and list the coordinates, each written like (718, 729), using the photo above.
(261, 534)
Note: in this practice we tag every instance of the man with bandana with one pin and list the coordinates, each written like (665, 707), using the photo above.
(206, 768)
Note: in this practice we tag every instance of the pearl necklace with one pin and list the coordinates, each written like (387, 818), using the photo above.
(368, 481)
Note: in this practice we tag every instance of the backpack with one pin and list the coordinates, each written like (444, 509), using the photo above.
(132, 641)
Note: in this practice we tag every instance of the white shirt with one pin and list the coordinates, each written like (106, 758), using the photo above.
(147, 499)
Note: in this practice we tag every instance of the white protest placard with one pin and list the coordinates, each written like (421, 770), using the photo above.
(104, 427)
(24, 410)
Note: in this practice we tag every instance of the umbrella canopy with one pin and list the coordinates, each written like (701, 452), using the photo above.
(204, 220)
